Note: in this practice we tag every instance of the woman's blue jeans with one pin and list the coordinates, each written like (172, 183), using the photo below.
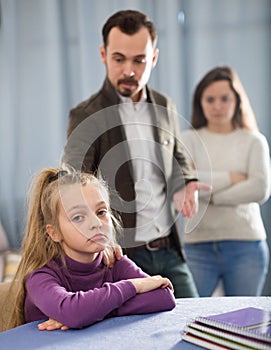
(241, 265)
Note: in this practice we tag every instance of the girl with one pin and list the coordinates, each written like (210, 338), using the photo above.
(62, 275)
(229, 243)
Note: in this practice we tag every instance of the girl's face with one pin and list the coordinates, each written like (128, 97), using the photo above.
(84, 220)
(218, 103)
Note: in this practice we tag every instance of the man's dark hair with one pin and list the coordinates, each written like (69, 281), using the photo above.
(129, 22)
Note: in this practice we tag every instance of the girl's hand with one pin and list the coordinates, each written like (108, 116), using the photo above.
(51, 325)
(147, 284)
(110, 254)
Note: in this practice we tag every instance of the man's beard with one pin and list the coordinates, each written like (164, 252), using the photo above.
(126, 92)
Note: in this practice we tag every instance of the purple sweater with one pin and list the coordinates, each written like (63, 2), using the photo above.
(83, 294)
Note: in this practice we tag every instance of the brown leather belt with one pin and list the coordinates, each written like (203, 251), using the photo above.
(159, 243)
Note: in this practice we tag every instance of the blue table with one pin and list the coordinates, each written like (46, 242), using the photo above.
(153, 331)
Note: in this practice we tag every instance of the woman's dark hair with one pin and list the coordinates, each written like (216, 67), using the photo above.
(129, 22)
(243, 115)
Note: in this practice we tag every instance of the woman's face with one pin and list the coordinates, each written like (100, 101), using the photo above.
(84, 220)
(218, 103)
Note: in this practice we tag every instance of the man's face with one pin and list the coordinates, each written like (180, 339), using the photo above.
(129, 60)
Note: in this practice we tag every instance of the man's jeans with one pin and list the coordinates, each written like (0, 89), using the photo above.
(167, 263)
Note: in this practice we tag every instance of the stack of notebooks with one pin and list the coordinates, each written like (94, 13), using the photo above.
(242, 329)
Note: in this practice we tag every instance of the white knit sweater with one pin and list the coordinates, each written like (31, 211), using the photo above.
(235, 212)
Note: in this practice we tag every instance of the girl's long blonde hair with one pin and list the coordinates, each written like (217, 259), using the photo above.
(37, 247)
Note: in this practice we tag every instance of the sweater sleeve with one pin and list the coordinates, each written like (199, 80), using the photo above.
(153, 301)
(219, 180)
(194, 150)
(257, 186)
(76, 309)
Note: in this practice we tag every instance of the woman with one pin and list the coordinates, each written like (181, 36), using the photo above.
(229, 242)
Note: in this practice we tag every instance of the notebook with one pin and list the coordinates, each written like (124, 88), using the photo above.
(201, 343)
(248, 328)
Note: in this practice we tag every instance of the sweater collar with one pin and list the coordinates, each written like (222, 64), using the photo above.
(76, 266)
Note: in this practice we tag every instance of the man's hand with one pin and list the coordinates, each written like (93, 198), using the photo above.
(110, 254)
(186, 200)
